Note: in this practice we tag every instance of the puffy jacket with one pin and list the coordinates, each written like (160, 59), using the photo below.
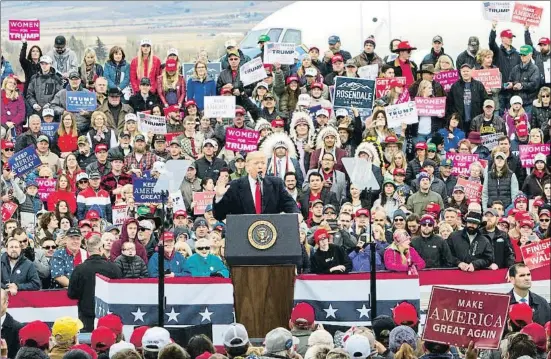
(197, 90)
(496, 188)
(99, 199)
(529, 76)
(361, 260)
(539, 58)
(479, 252)
(43, 87)
(514, 164)
(117, 75)
(13, 111)
(497, 123)
(175, 264)
(153, 73)
(23, 274)
(64, 63)
(434, 250)
(412, 170)
(29, 68)
(244, 59)
(394, 261)
(504, 256)
(132, 267)
(26, 139)
(540, 115)
(503, 59)
(453, 142)
(180, 91)
(455, 101)
(59, 105)
(199, 266)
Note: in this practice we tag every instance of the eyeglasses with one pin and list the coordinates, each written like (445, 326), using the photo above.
(82, 181)
(43, 177)
(234, 59)
(203, 248)
(11, 149)
(427, 225)
(144, 229)
(51, 247)
(398, 220)
(26, 240)
(146, 45)
(545, 96)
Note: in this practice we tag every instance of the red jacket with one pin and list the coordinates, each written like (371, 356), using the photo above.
(57, 196)
(180, 90)
(152, 74)
(67, 143)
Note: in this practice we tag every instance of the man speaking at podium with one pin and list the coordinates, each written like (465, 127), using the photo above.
(253, 194)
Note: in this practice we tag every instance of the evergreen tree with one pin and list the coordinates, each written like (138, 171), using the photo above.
(101, 50)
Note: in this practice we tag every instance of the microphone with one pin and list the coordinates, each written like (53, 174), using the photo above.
(259, 176)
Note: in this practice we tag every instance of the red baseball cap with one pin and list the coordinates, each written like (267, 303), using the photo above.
(190, 103)
(362, 212)
(507, 33)
(303, 312)
(83, 223)
(90, 234)
(112, 322)
(313, 48)
(225, 91)
(171, 65)
(100, 147)
(7, 144)
(391, 139)
(37, 331)
(405, 312)
(394, 82)
(180, 212)
(317, 85)
(421, 146)
(167, 236)
(320, 234)
(268, 67)
(548, 329)
(399, 172)
(92, 215)
(544, 41)
(433, 208)
(526, 222)
(137, 335)
(544, 212)
(522, 129)
(336, 58)
(291, 79)
(538, 202)
(278, 123)
(520, 311)
(537, 333)
(239, 111)
(522, 215)
(504, 220)
(102, 338)
(85, 348)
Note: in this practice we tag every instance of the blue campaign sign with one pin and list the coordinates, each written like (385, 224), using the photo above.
(49, 129)
(81, 100)
(351, 91)
(143, 190)
(24, 161)
(213, 69)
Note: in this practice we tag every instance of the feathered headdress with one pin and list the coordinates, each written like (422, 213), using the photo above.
(328, 131)
(262, 124)
(302, 117)
(279, 138)
(369, 148)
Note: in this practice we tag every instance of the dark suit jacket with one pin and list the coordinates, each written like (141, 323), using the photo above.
(10, 332)
(540, 307)
(327, 197)
(239, 199)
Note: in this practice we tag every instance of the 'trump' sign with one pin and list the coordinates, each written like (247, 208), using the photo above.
(24, 29)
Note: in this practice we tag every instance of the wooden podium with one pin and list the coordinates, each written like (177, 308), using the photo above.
(262, 252)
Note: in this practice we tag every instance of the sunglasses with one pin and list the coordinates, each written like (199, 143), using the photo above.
(82, 181)
(12, 149)
(398, 220)
(49, 247)
(545, 220)
(203, 248)
(431, 151)
(43, 177)
(427, 225)
(545, 96)
(7, 169)
(26, 240)
(144, 229)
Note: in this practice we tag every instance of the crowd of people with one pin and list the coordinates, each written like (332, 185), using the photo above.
(420, 217)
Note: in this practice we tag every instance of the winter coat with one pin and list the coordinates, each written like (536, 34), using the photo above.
(64, 63)
(453, 142)
(454, 102)
(43, 87)
(117, 75)
(321, 262)
(199, 266)
(479, 253)
(394, 261)
(529, 77)
(139, 104)
(434, 250)
(10, 333)
(153, 74)
(98, 199)
(398, 70)
(5, 69)
(502, 189)
(328, 66)
(118, 123)
(412, 170)
(540, 116)
(436, 185)
(466, 58)
(364, 59)
(495, 125)
(13, 111)
(225, 77)
(180, 91)
(23, 274)
(29, 68)
(432, 57)
(503, 59)
(539, 58)
(31, 353)
(64, 143)
(117, 245)
(361, 260)
(26, 139)
(417, 202)
(59, 105)
(515, 165)
(88, 79)
(533, 186)
(197, 90)
(132, 267)
(504, 256)
(176, 264)
(244, 59)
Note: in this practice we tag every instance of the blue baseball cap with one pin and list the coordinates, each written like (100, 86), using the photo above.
(446, 162)
(333, 39)
(208, 208)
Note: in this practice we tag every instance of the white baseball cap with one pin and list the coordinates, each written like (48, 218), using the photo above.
(130, 117)
(322, 112)
(230, 43)
(155, 339)
(46, 59)
(236, 335)
(358, 347)
(146, 224)
(304, 100)
(159, 166)
(119, 347)
(311, 72)
(145, 42)
(48, 112)
(172, 51)
(341, 112)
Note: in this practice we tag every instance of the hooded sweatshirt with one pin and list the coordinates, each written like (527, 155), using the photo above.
(65, 62)
(116, 248)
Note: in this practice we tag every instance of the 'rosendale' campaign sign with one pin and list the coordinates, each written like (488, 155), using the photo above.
(46, 186)
(152, 123)
(353, 92)
(431, 106)
(201, 201)
(497, 10)
(537, 254)
(27, 29)
(24, 161)
(490, 78)
(461, 162)
(241, 139)
(143, 190)
(219, 106)
(279, 52)
(401, 113)
(528, 152)
(382, 85)
(527, 14)
(446, 78)
(252, 71)
(458, 316)
(81, 100)
(473, 190)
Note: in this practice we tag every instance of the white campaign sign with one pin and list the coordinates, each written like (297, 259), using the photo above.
(252, 71)
(219, 106)
(151, 123)
(401, 113)
(278, 52)
(497, 10)
(177, 201)
(120, 214)
(369, 72)
(547, 71)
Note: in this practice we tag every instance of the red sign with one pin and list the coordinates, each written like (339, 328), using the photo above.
(201, 200)
(461, 162)
(537, 254)
(382, 85)
(431, 106)
(527, 14)
(45, 187)
(28, 29)
(8, 209)
(473, 190)
(457, 316)
(447, 79)
(528, 152)
(241, 139)
(491, 78)
(170, 136)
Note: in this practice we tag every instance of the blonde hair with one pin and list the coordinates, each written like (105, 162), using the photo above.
(95, 116)
(15, 94)
(393, 166)
(405, 352)
(442, 226)
(438, 66)
(61, 130)
(141, 67)
(87, 52)
(533, 132)
(258, 351)
(378, 228)
(183, 246)
(195, 69)
(422, 86)
(483, 54)
(170, 82)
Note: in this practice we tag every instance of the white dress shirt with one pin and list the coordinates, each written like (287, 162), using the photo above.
(518, 298)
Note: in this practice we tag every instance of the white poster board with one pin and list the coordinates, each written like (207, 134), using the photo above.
(219, 106)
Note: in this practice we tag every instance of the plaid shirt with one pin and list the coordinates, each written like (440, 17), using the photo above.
(145, 164)
(109, 182)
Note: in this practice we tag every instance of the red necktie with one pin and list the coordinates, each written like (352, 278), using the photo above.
(258, 199)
